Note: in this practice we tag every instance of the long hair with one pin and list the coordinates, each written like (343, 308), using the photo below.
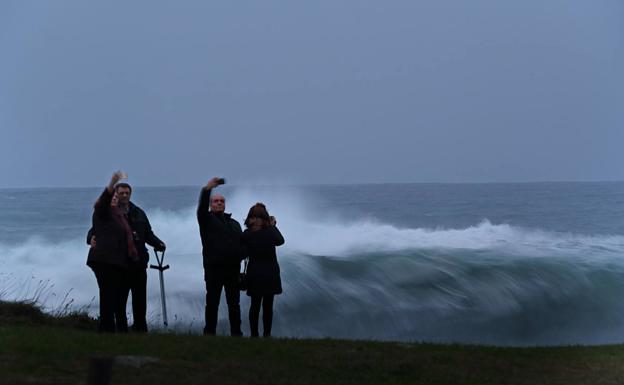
(258, 211)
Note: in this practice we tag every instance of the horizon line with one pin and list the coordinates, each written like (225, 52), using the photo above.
(319, 184)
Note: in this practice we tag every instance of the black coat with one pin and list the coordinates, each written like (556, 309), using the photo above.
(220, 236)
(142, 232)
(263, 272)
(112, 241)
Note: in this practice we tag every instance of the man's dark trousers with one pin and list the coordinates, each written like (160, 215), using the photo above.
(218, 277)
(136, 279)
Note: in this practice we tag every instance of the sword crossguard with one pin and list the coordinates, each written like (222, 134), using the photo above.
(159, 267)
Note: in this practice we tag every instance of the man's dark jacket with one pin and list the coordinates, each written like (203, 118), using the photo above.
(220, 235)
(142, 232)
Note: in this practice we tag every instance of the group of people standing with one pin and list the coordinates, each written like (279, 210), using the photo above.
(118, 257)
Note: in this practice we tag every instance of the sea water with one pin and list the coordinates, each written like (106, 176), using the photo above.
(503, 264)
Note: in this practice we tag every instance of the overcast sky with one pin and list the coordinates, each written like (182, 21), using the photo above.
(323, 91)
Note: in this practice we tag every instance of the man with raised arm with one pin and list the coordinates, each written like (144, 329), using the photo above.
(222, 253)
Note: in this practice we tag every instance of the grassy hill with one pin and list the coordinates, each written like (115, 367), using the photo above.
(39, 349)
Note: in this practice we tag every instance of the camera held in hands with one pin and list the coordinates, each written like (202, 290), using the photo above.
(220, 181)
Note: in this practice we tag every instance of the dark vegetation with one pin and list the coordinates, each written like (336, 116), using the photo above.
(26, 313)
(36, 348)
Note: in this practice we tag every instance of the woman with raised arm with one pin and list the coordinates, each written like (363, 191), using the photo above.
(109, 257)
(263, 272)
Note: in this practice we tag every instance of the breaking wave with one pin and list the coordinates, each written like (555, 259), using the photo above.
(363, 279)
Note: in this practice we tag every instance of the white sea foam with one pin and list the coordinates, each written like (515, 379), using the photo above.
(364, 278)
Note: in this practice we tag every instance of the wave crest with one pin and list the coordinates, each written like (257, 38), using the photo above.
(487, 283)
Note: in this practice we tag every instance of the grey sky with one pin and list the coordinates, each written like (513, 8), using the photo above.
(325, 91)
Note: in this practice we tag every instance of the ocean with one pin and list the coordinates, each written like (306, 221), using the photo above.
(501, 264)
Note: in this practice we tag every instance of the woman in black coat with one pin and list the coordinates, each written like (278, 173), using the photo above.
(263, 272)
(110, 256)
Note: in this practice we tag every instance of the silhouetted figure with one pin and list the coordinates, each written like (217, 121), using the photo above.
(263, 272)
(136, 274)
(110, 259)
(222, 254)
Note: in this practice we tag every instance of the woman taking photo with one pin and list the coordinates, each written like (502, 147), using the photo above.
(109, 257)
(263, 273)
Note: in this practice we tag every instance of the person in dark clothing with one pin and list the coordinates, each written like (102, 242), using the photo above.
(136, 274)
(222, 253)
(263, 272)
(110, 259)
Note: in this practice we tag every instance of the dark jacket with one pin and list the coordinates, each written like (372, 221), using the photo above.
(263, 272)
(112, 241)
(142, 232)
(220, 235)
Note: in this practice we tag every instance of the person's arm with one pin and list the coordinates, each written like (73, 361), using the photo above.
(151, 239)
(204, 198)
(90, 237)
(204, 203)
(117, 176)
(279, 239)
(244, 248)
(102, 205)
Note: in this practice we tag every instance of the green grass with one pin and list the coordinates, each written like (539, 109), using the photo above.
(49, 351)
(26, 313)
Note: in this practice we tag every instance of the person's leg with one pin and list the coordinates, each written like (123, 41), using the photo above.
(121, 288)
(138, 285)
(107, 300)
(232, 296)
(267, 314)
(254, 315)
(214, 285)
